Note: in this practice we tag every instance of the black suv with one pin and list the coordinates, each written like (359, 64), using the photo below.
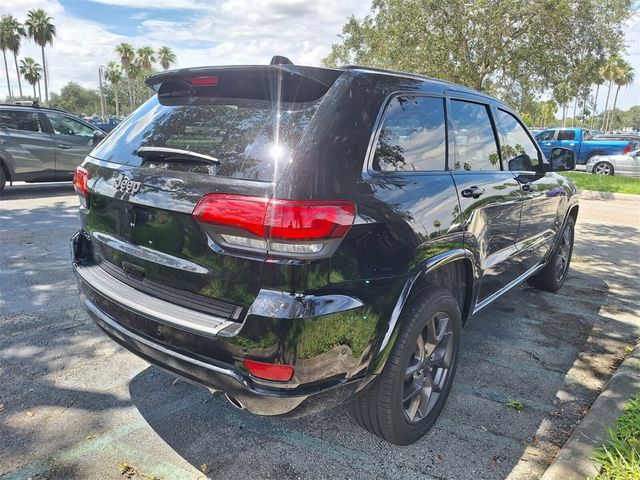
(301, 237)
(42, 144)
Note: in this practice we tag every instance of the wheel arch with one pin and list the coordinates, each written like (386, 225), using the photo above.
(453, 270)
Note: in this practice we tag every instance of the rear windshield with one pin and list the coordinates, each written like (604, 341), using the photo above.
(252, 139)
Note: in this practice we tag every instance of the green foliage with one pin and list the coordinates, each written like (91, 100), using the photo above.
(515, 404)
(620, 455)
(509, 48)
(605, 183)
(76, 99)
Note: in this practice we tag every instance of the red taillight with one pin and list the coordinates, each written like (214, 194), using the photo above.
(269, 371)
(80, 178)
(308, 220)
(627, 149)
(297, 227)
(207, 81)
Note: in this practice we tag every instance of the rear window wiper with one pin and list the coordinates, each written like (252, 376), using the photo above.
(176, 153)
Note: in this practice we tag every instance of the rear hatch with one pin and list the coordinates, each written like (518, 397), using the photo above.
(226, 133)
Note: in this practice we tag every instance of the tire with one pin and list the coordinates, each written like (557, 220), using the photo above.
(3, 178)
(431, 333)
(554, 273)
(602, 168)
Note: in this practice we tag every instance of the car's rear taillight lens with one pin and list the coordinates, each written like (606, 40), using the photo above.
(627, 149)
(80, 179)
(269, 371)
(287, 227)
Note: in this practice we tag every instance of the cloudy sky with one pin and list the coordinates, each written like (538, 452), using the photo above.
(207, 32)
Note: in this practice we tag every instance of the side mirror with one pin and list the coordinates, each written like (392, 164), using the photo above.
(98, 136)
(562, 159)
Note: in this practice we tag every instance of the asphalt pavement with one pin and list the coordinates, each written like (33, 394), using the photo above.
(73, 404)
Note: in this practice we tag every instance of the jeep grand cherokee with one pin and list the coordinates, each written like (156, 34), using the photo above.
(301, 237)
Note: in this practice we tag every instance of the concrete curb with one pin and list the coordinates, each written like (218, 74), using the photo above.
(574, 461)
(593, 195)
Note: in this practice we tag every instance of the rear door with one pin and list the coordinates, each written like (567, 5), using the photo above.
(566, 138)
(490, 198)
(543, 191)
(73, 141)
(229, 138)
(27, 149)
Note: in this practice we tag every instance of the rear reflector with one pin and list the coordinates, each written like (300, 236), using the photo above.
(269, 371)
(80, 178)
(208, 81)
(298, 227)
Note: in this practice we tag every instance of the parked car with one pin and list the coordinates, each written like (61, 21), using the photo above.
(107, 125)
(628, 137)
(42, 144)
(300, 237)
(582, 142)
(624, 165)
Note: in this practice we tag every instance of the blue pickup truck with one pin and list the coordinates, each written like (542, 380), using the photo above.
(580, 140)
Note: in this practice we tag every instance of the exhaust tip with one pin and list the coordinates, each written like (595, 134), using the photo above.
(234, 401)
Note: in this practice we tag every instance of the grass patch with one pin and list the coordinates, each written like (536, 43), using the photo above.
(515, 404)
(620, 455)
(605, 183)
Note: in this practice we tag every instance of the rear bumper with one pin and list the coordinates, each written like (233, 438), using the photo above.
(176, 342)
(225, 378)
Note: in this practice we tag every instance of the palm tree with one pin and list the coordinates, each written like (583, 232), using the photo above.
(609, 72)
(4, 46)
(31, 71)
(625, 77)
(13, 33)
(113, 74)
(598, 81)
(127, 57)
(40, 28)
(135, 72)
(145, 55)
(166, 57)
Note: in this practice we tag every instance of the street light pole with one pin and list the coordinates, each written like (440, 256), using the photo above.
(102, 99)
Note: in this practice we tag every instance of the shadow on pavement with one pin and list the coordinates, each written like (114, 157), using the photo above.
(526, 347)
(22, 191)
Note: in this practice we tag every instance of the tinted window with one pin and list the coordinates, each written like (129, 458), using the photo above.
(413, 136)
(63, 125)
(518, 150)
(546, 135)
(566, 135)
(249, 137)
(474, 144)
(18, 120)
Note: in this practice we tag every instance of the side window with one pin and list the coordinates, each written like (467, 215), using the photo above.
(474, 144)
(412, 136)
(586, 135)
(546, 135)
(63, 125)
(566, 135)
(518, 150)
(18, 120)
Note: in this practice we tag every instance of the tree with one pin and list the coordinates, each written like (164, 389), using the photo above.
(41, 29)
(507, 47)
(610, 71)
(625, 76)
(166, 57)
(127, 56)
(4, 46)
(76, 99)
(13, 33)
(31, 71)
(145, 57)
(113, 74)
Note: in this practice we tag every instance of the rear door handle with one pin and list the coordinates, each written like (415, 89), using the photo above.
(472, 192)
(63, 146)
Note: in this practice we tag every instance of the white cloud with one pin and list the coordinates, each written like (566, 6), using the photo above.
(158, 4)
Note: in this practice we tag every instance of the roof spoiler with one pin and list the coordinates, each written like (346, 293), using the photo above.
(298, 83)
